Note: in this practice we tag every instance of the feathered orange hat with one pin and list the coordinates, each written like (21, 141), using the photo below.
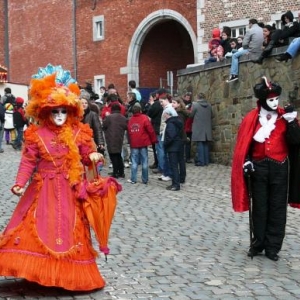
(53, 87)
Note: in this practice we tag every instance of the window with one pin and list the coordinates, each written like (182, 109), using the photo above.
(98, 28)
(238, 27)
(236, 31)
(99, 80)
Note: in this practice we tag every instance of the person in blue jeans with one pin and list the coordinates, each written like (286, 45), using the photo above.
(165, 101)
(290, 52)
(252, 45)
(141, 134)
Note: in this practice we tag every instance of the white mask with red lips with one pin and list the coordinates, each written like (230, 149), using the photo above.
(273, 102)
(59, 115)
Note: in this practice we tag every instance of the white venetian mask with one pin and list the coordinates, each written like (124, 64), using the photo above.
(273, 102)
(59, 115)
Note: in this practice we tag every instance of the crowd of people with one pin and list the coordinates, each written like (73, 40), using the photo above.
(258, 43)
(169, 125)
(12, 120)
(126, 128)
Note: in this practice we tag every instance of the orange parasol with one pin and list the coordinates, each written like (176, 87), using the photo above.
(100, 204)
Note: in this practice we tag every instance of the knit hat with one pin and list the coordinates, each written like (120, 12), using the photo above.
(8, 106)
(216, 33)
(215, 42)
(162, 93)
(19, 100)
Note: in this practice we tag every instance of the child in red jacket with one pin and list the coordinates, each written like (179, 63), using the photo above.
(141, 135)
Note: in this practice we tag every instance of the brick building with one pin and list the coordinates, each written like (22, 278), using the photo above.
(106, 41)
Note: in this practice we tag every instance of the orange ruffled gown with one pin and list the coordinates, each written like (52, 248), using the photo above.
(48, 237)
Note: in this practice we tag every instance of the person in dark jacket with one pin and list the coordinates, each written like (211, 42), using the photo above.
(271, 40)
(114, 126)
(202, 129)
(172, 139)
(90, 117)
(225, 39)
(2, 113)
(131, 101)
(8, 97)
(140, 134)
(183, 114)
(278, 37)
(290, 28)
(154, 113)
(19, 122)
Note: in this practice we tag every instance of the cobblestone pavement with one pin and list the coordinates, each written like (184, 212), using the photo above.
(174, 245)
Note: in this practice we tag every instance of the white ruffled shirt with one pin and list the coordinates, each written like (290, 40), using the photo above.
(267, 121)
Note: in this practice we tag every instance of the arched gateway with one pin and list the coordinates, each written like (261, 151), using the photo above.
(143, 30)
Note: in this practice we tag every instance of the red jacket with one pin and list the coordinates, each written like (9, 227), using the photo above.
(140, 131)
(106, 110)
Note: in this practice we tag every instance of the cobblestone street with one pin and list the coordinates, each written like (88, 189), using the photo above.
(174, 245)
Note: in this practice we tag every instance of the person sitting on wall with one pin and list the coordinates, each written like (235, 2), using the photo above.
(252, 43)
(216, 53)
(290, 52)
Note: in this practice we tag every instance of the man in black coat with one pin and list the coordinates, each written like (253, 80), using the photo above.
(154, 113)
(2, 113)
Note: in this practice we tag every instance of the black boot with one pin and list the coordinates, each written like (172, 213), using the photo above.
(269, 48)
(258, 60)
(267, 51)
(283, 57)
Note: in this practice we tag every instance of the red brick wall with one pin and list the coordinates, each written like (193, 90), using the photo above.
(40, 32)
(121, 20)
(2, 34)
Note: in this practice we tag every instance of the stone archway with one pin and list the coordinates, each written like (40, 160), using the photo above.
(132, 68)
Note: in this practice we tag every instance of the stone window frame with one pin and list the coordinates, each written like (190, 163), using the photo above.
(98, 28)
(236, 24)
(99, 80)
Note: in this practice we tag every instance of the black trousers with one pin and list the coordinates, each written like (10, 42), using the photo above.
(269, 189)
(117, 163)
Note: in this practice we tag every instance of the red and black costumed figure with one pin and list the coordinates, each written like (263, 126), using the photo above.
(263, 148)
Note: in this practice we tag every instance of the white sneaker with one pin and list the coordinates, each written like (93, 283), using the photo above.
(126, 165)
(165, 178)
(130, 181)
(110, 166)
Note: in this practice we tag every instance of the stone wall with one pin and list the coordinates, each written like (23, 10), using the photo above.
(231, 101)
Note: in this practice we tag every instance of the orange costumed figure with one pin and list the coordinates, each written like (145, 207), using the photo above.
(48, 237)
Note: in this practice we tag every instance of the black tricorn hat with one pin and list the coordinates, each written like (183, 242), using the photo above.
(263, 89)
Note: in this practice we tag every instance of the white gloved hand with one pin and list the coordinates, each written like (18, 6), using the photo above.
(95, 156)
(290, 116)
